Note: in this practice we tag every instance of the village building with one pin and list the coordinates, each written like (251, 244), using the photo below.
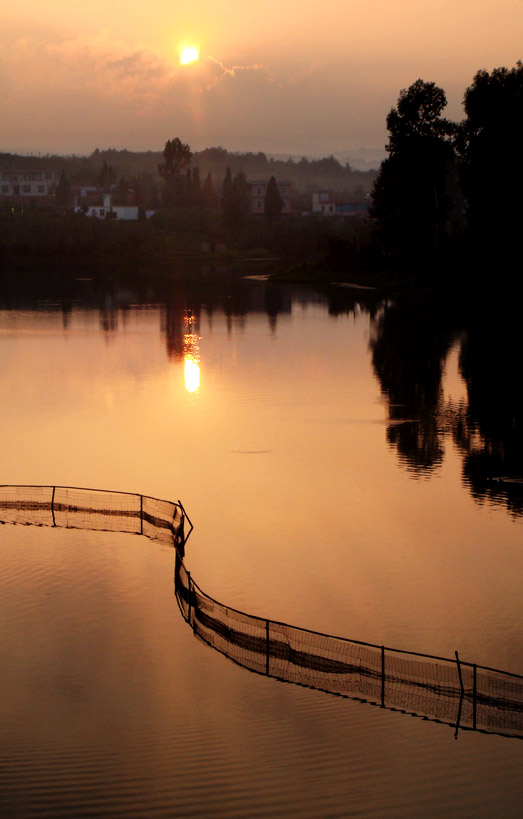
(258, 191)
(325, 203)
(104, 209)
(21, 186)
(80, 193)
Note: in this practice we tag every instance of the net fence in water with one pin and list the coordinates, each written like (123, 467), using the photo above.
(460, 694)
(75, 508)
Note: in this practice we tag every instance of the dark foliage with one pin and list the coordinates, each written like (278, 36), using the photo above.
(106, 176)
(490, 143)
(305, 174)
(177, 156)
(63, 192)
(234, 203)
(209, 198)
(411, 197)
(226, 191)
(273, 202)
(410, 347)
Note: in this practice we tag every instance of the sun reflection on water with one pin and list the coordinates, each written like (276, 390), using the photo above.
(191, 355)
(191, 374)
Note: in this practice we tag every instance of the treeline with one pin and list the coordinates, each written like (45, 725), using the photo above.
(139, 170)
(449, 194)
(193, 215)
(300, 244)
(446, 203)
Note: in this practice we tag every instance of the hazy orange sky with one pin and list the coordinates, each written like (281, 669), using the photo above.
(296, 77)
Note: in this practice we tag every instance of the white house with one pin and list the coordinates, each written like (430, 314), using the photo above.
(27, 183)
(108, 210)
(323, 202)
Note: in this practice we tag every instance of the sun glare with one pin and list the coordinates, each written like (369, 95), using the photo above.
(189, 55)
(191, 372)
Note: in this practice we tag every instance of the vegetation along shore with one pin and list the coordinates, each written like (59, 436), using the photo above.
(443, 206)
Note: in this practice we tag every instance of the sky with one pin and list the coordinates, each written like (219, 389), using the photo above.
(297, 77)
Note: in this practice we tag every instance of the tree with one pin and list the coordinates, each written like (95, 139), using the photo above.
(273, 202)
(63, 192)
(145, 190)
(196, 188)
(208, 193)
(411, 196)
(234, 202)
(187, 200)
(106, 177)
(418, 117)
(226, 192)
(490, 143)
(122, 192)
(177, 156)
(240, 201)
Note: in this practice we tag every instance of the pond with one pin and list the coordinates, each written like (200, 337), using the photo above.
(352, 466)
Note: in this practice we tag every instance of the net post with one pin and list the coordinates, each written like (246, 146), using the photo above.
(180, 532)
(474, 694)
(267, 647)
(458, 718)
(383, 676)
(52, 505)
(459, 673)
(189, 604)
(141, 514)
(185, 517)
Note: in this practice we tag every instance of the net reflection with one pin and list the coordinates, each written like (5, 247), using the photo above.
(460, 694)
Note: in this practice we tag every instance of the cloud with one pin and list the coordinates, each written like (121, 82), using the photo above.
(235, 68)
(112, 69)
(105, 82)
(97, 90)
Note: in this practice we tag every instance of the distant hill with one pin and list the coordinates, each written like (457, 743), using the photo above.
(362, 159)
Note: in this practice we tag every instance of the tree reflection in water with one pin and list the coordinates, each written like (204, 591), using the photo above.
(410, 346)
(413, 334)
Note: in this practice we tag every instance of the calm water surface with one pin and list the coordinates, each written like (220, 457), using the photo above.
(336, 456)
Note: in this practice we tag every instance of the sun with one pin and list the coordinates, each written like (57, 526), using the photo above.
(189, 55)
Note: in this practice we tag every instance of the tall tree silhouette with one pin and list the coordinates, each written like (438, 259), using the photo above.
(177, 156)
(226, 192)
(106, 176)
(234, 202)
(273, 202)
(491, 145)
(63, 191)
(411, 201)
(208, 193)
(196, 188)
